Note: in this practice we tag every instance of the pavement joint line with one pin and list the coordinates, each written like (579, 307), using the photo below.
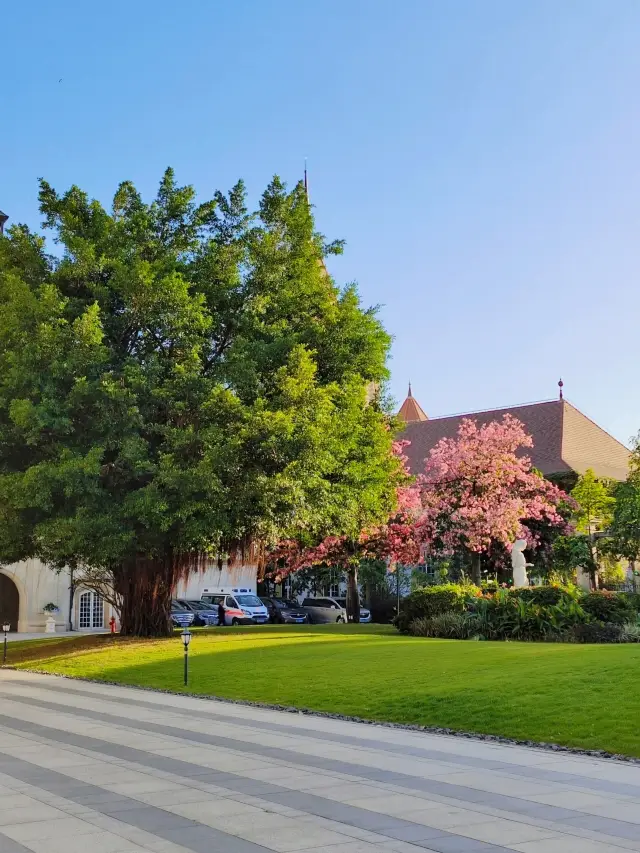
(616, 828)
(65, 786)
(151, 819)
(539, 774)
(515, 805)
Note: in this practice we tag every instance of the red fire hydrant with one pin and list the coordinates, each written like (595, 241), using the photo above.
(112, 624)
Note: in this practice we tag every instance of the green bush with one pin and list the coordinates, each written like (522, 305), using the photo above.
(545, 595)
(432, 601)
(506, 617)
(609, 607)
(597, 632)
(630, 633)
(451, 626)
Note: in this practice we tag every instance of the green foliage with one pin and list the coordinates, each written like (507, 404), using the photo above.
(624, 530)
(598, 632)
(505, 617)
(630, 633)
(184, 379)
(595, 503)
(609, 607)
(451, 626)
(432, 601)
(546, 595)
(571, 552)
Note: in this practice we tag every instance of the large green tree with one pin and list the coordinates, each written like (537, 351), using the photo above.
(180, 381)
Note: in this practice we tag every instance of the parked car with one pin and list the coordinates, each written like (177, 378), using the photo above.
(181, 616)
(205, 615)
(240, 608)
(365, 615)
(284, 611)
(325, 610)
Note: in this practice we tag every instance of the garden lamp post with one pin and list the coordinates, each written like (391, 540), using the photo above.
(186, 639)
(6, 628)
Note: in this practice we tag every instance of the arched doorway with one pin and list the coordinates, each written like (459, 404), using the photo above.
(9, 602)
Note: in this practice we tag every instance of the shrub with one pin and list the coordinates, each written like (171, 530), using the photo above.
(432, 601)
(630, 633)
(452, 626)
(545, 595)
(597, 632)
(608, 607)
(506, 617)
(633, 599)
(383, 608)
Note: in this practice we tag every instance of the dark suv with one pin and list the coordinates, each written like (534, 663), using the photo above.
(285, 611)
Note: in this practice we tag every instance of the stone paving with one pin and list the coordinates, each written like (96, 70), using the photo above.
(88, 768)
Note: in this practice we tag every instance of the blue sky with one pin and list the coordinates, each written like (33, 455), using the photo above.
(480, 157)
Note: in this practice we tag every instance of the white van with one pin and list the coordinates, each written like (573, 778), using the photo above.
(241, 606)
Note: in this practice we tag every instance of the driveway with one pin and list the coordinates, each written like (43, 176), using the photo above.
(86, 768)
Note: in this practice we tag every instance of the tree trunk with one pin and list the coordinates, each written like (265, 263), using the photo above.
(476, 568)
(353, 596)
(145, 587)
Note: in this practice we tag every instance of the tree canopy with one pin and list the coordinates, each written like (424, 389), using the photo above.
(180, 380)
(479, 495)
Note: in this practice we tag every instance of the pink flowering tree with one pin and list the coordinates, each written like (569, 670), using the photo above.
(479, 494)
(395, 540)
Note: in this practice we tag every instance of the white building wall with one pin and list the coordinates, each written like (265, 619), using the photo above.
(213, 579)
(39, 585)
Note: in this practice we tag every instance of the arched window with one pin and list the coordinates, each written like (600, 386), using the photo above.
(91, 611)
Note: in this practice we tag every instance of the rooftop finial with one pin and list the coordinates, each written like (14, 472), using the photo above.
(561, 386)
(306, 182)
(409, 394)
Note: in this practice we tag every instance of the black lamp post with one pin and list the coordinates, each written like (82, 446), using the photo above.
(186, 639)
(6, 628)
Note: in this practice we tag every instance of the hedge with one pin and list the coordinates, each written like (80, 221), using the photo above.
(432, 601)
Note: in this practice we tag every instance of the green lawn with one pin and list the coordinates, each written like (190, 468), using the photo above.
(585, 696)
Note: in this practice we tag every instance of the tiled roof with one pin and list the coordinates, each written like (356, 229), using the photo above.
(564, 440)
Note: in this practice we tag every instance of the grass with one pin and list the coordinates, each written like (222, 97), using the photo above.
(576, 695)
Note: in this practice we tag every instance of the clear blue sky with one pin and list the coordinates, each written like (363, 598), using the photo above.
(480, 157)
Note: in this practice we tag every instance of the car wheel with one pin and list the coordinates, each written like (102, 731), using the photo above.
(339, 620)
(234, 621)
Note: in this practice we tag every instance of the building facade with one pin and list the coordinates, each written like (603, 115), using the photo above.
(26, 588)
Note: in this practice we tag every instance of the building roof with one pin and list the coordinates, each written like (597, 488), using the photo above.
(564, 440)
(411, 410)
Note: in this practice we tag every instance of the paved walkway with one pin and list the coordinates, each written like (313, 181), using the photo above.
(92, 769)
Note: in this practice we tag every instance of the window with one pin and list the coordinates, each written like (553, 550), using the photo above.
(91, 610)
(249, 601)
(231, 602)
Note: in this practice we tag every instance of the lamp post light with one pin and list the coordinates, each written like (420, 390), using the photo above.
(6, 628)
(186, 639)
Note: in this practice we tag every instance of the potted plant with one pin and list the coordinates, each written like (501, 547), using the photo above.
(50, 624)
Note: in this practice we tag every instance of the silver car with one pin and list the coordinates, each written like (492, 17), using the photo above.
(326, 610)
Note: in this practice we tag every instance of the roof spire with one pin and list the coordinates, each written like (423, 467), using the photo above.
(411, 410)
(560, 386)
(306, 182)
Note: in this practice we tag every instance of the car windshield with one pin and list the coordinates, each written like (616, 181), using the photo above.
(288, 604)
(199, 605)
(249, 601)
(175, 605)
(343, 602)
